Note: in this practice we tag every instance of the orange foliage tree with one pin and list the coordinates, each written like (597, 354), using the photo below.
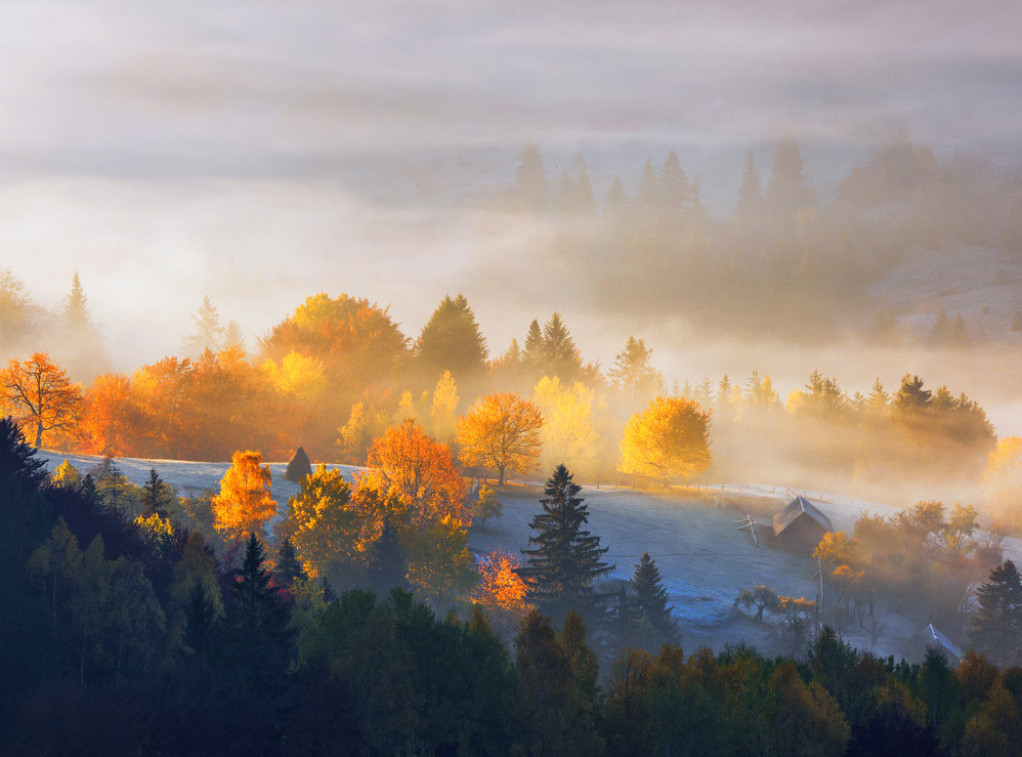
(43, 397)
(421, 470)
(501, 433)
(114, 422)
(244, 504)
(501, 590)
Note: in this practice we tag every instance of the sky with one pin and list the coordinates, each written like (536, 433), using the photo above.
(260, 151)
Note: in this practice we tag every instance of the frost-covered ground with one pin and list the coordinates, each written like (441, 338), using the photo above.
(704, 558)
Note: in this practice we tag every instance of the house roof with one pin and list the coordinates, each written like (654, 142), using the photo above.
(796, 509)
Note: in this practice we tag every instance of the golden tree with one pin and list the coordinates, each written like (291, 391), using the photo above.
(421, 470)
(568, 434)
(331, 523)
(670, 438)
(501, 590)
(43, 397)
(501, 433)
(244, 504)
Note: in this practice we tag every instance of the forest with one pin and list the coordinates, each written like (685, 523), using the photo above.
(122, 637)
(353, 618)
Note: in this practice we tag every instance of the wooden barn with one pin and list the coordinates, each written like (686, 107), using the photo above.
(800, 525)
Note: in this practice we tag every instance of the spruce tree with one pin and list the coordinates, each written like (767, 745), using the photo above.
(451, 341)
(997, 625)
(560, 354)
(258, 635)
(564, 559)
(289, 568)
(656, 625)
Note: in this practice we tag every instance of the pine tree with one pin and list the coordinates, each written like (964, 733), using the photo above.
(564, 559)
(451, 341)
(533, 356)
(288, 568)
(617, 203)
(633, 371)
(76, 310)
(583, 201)
(258, 633)
(657, 627)
(208, 332)
(560, 355)
(157, 496)
(997, 625)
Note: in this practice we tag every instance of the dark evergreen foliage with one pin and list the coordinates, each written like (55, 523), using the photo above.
(451, 341)
(288, 568)
(997, 625)
(653, 615)
(565, 559)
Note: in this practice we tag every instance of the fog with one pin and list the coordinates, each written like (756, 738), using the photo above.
(259, 153)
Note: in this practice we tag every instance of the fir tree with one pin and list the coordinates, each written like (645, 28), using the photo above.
(208, 331)
(564, 559)
(997, 625)
(656, 625)
(451, 341)
(289, 568)
(157, 496)
(76, 310)
(258, 634)
(633, 371)
(560, 355)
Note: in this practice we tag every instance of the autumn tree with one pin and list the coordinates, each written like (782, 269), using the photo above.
(501, 433)
(564, 559)
(333, 525)
(443, 418)
(244, 503)
(670, 438)
(501, 590)
(487, 505)
(114, 420)
(43, 397)
(420, 470)
(568, 435)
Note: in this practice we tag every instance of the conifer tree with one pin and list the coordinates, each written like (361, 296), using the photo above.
(288, 568)
(564, 559)
(674, 185)
(258, 634)
(633, 371)
(560, 355)
(451, 341)
(208, 334)
(997, 625)
(657, 627)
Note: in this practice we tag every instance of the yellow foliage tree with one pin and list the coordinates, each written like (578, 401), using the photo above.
(443, 415)
(331, 523)
(567, 436)
(670, 438)
(244, 504)
(501, 433)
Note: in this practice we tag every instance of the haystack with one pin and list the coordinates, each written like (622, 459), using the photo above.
(298, 467)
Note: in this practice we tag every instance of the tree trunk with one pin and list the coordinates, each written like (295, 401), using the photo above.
(38, 434)
(500, 475)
